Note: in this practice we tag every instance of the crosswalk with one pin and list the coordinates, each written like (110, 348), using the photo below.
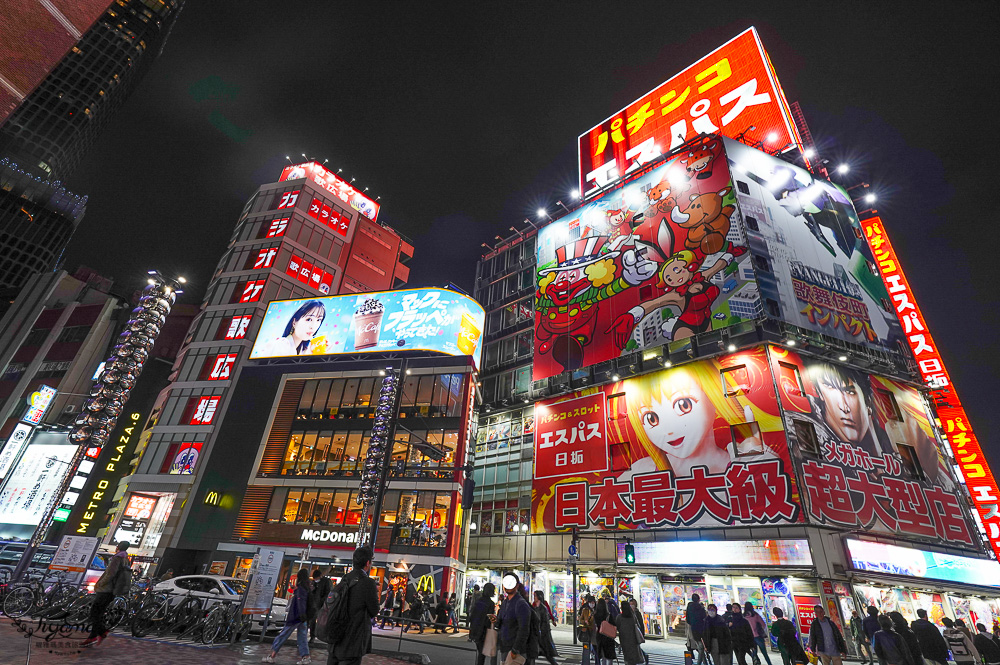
(574, 653)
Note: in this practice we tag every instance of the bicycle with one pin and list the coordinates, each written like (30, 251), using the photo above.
(222, 621)
(33, 596)
(155, 607)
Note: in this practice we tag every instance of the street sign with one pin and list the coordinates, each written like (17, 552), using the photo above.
(74, 554)
(263, 579)
(572, 550)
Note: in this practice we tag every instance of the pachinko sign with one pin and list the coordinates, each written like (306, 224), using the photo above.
(965, 446)
(870, 458)
(732, 91)
(697, 445)
(414, 319)
(333, 184)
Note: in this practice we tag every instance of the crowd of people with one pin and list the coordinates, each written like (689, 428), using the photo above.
(417, 610)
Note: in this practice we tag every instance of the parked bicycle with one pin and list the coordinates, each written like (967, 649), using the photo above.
(34, 595)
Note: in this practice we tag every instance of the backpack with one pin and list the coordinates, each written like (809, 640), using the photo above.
(334, 615)
(122, 580)
(956, 642)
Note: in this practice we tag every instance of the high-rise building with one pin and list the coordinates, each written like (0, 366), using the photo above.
(44, 139)
(307, 235)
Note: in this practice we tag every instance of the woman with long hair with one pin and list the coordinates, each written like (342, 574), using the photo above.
(297, 614)
(546, 646)
(299, 332)
(760, 633)
(604, 648)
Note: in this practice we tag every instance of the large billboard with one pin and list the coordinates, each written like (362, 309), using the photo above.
(732, 91)
(660, 259)
(692, 446)
(813, 266)
(894, 560)
(868, 453)
(968, 453)
(337, 186)
(413, 319)
(33, 482)
(36, 36)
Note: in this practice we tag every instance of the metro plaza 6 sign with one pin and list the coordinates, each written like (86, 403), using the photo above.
(414, 319)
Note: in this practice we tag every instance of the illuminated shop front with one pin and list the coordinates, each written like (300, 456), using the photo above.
(141, 523)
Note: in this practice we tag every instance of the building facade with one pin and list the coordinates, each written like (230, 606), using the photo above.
(695, 382)
(308, 235)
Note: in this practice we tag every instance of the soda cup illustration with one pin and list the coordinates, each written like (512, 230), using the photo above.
(468, 335)
(367, 324)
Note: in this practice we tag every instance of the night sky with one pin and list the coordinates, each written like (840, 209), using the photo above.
(464, 120)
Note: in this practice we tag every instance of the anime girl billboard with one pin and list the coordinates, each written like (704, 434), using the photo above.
(697, 445)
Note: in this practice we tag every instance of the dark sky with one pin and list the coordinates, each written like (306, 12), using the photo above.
(464, 120)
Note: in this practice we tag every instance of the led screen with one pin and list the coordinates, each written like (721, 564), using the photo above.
(35, 479)
(894, 560)
(415, 319)
(721, 553)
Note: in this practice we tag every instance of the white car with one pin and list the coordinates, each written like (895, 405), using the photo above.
(214, 588)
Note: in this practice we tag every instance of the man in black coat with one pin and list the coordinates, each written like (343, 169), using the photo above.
(717, 637)
(932, 642)
(986, 645)
(741, 632)
(479, 621)
(870, 623)
(518, 631)
(320, 590)
(351, 642)
(825, 638)
(695, 616)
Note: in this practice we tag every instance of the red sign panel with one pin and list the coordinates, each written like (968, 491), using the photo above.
(571, 437)
(234, 328)
(286, 199)
(251, 290)
(276, 228)
(342, 189)
(202, 409)
(140, 507)
(732, 91)
(968, 454)
(220, 367)
(310, 274)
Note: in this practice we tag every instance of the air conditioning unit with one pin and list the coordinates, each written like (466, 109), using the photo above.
(70, 408)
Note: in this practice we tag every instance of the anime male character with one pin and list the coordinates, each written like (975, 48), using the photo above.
(569, 294)
(843, 403)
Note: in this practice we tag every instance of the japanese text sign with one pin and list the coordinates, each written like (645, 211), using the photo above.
(74, 554)
(140, 506)
(38, 404)
(342, 189)
(968, 453)
(571, 437)
(413, 319)
(732, 91)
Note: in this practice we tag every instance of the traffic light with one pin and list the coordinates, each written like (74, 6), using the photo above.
(629, 553)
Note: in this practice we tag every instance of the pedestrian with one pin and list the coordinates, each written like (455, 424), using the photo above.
(637, 615)
(629, 636)
(517, 624)
(825, 638)
(441, 616)
(113, 582)
(742, 634)
(587, 630)
(479, 621)
(351, 641)
(788, 641)
(759, 627)
(902, 628)
(694, 616)
(416, 611)
(932, 643)
(167, 575)
(870, 623)
(727, 616)
(452, 615)
(546, 645)
(986, 645)
(889, 646)
(605, 645)
(297, 619)
(962, 648)
(388, 606)
(321, 587)
(717, 637)
(471, 598)
(960, 624)
(860, 637)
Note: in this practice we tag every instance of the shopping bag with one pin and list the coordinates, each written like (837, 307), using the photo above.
(688, 657)
(608, 629)
(490, 643)
(514, 660)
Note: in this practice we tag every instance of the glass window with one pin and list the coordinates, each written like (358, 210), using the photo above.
(323, 505)
(322, 391)
(353, 517)
(441, 393)
(424, 390)
(350, 392)
(307, 505)
(492, 354)
(390, 505)
(275, 510)
(306, 456)
(308, 392)
(337, 448)
(322, 453)
(365, 388)
(292, 505)
(455, 396)
(409, 395)
(336, 394)
(339, 508)
(351, 452)
(805, 434)
(291, 454)
(746, 439)
(400, 450)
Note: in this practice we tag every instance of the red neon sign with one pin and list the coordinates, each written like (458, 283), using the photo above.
(342, 189)
(731, 91)
(965, 446)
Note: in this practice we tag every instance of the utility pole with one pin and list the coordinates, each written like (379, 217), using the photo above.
(574, 556)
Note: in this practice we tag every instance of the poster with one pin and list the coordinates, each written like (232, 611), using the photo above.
(869, 456)
(264, 578)
(660, 259)
(697, 445)
(34, 481)
(74, 554)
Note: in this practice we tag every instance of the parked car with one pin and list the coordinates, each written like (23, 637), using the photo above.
(215, 588)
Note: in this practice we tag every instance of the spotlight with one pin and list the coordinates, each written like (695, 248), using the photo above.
(151, 281)
(182, 280)
(472, 527)
(808, 153)
(870, 198)
(790, 342)
(615, 377)
(667, 363)
(842, 359)
(843, 168)
(772, 137)
(541, 212)
(575, 193)
(731, 348)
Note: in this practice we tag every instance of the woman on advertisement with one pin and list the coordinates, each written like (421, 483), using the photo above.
(299, 332)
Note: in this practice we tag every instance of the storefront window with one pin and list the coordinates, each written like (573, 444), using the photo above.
(313, 506)
(421, 518)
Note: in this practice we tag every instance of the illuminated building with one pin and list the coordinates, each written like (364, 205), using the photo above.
(304, 236)
(46, 137)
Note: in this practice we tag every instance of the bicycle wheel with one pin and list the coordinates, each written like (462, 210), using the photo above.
(19, 602)
(213, 625)
(186, 612)
(78, 611)
(62, 595)
(115, 613)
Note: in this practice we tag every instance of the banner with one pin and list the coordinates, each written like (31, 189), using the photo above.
(697, 445)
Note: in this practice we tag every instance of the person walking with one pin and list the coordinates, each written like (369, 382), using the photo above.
(471, 598)
(695, 615)
(297, 619)
(889, 646)
(546, 645)
(441, 616)
(642, 628)
(870, 623)
(321, 587)
(479, 621)
(788, 641)
(825, 638)
(932, 643)
(717, 637)
(742, 634)
(759, 627)
(350, 642)
(392, 601)
(587, 630)
(452, 614)
(113, 582)
(605, 646)
(416, 613)
(517, 624)
(629, 636)
(902, 628)
(963, 651)
(861, 641)
(986, 645)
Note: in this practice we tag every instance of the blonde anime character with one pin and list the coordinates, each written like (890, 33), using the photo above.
(674, 414)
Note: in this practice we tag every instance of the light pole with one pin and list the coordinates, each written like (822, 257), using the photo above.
(375, 473)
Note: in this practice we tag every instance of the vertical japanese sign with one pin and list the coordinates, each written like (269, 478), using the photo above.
(965, 446)
(38, 404)
(732, 91)
(571, 437)
(263, 580)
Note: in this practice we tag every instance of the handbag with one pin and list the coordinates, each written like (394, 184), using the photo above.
(638, 635)
(514, 660)
(490, 643)
(584, 636)
(608, 629)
